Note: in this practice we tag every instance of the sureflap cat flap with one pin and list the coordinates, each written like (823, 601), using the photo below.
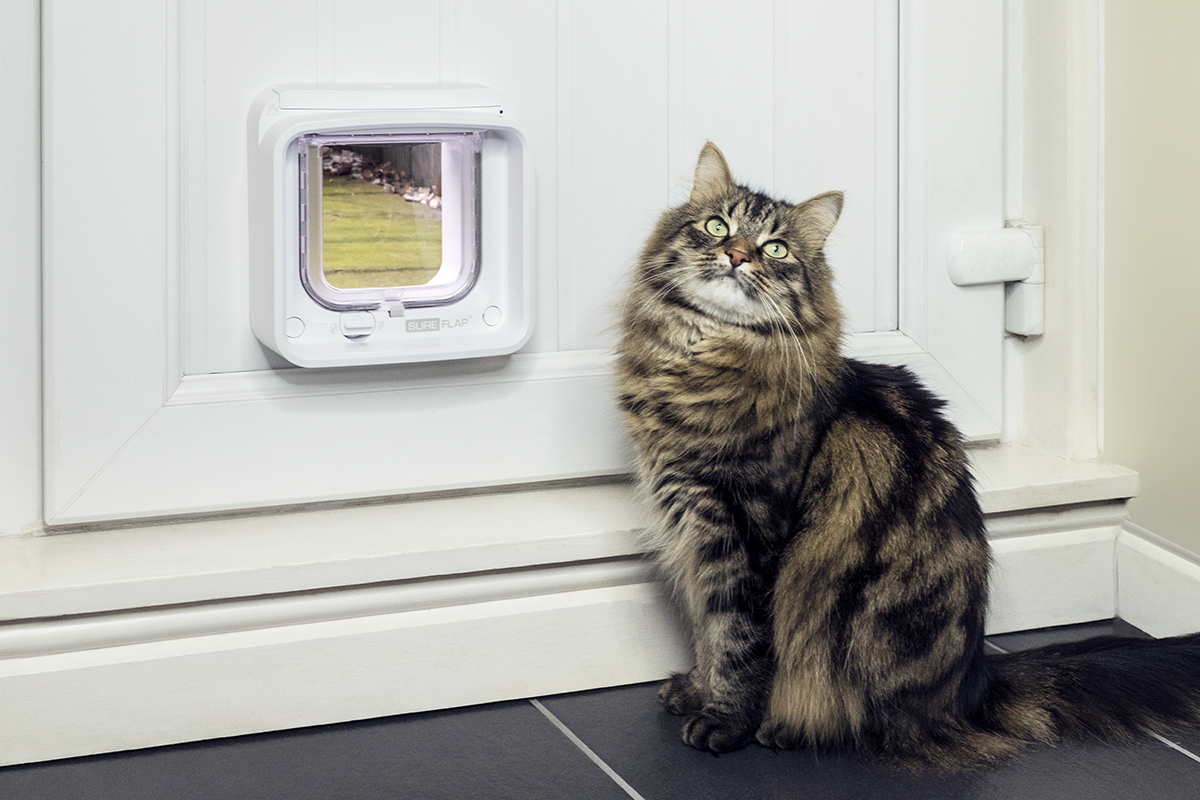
(379, 211)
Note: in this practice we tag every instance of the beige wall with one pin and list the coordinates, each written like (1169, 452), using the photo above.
(1152, 259)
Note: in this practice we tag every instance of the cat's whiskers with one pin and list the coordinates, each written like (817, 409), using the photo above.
(816, 385)
(651, 301)
(781, 324)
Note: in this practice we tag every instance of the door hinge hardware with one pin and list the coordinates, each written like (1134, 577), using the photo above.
(1014, 255)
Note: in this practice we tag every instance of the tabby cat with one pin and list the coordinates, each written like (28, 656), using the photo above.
(818, 521)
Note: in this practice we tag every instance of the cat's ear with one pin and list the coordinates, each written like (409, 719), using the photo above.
(818, 215)
(713, 177)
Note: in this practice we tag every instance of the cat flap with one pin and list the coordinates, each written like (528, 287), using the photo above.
(389, 224)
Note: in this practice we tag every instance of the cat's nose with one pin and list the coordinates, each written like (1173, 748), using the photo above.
(737, 257)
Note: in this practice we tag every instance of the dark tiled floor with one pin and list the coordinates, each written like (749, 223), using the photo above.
(610, 743)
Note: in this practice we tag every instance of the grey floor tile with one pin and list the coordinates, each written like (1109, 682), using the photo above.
(628, 730)
(1025, 640)
(506, 750)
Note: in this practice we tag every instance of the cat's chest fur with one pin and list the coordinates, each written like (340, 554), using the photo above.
(708, 400)
(715, 380)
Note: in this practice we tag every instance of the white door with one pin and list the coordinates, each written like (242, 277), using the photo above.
(159, 400)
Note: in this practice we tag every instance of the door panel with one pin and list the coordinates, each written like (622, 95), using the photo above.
(159, 399)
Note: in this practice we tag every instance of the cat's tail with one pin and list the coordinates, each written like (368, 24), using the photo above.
(1110, 688)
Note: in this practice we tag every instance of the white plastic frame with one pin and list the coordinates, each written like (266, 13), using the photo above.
(488, 315)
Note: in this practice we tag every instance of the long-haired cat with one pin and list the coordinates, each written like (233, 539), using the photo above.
(818, 521)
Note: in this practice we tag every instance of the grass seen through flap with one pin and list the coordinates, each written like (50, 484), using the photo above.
(373, 238)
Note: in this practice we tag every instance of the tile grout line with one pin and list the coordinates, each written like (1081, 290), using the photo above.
(587, 751)
(1162, 739)
(1174, 746)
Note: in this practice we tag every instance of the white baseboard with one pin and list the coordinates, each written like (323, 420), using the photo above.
(1052, 579)
(224, 684)
(1158, 583)
(123, 680)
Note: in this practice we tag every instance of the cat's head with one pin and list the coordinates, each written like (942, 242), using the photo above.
(745, 258)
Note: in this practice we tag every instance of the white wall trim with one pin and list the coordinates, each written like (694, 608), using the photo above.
(1052, 579)
(306, 549)
(73, 634)
(1158, 586)
(235, 682)
(1063, 190)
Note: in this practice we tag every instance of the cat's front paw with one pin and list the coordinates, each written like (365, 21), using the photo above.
(679, 694)
(717, 733)
(777, 736)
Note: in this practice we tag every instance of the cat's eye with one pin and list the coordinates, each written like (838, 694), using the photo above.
(717, 227)
(775, 249)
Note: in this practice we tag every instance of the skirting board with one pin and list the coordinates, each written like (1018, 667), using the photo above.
(324, 658)
(1158, 583)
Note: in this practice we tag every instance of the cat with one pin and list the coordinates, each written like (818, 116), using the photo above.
(817, 519)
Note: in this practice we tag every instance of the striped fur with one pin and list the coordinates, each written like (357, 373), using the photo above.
(818, 521)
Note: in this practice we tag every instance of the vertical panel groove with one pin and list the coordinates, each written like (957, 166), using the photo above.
(783, 76)
(566, 333)
(326, 17)
(193, 267)
(173, 203)
(676, 160)
(447, 39)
